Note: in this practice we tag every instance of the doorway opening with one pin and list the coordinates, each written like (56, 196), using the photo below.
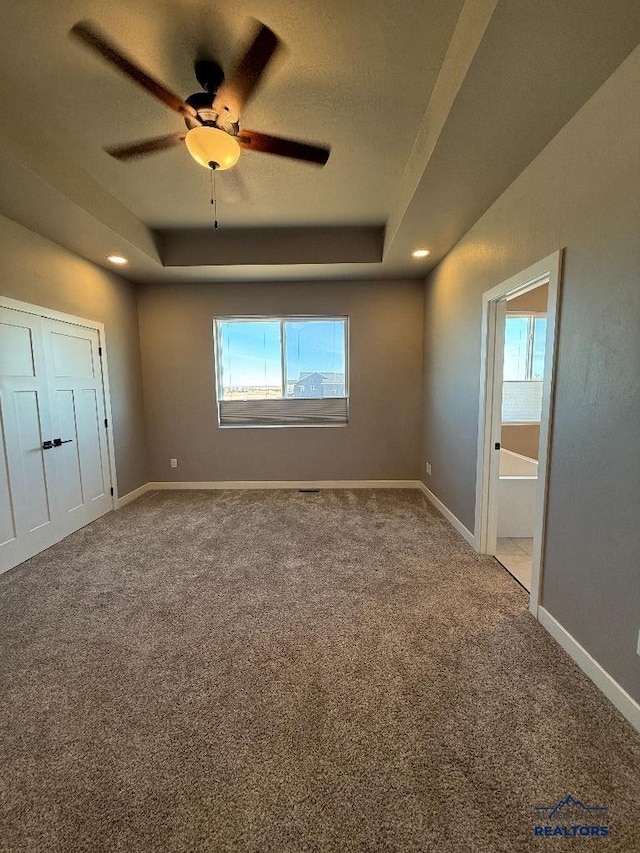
(517, 366)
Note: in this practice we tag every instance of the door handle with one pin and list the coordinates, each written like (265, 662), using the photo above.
(58, 441)
(47, 445)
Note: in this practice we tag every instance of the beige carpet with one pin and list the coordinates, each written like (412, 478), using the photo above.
(286, 672)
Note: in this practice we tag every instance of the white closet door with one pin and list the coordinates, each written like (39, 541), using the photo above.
(54, 458)
(28, 494)
(80, 452)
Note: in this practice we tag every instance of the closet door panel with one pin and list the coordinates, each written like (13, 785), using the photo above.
(76, 387)
(28, 487)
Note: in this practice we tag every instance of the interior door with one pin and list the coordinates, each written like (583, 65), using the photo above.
(80, 452)
(54, 457)
(28, 495)
(500, 317)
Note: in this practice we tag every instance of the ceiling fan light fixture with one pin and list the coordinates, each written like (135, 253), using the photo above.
(209, 145)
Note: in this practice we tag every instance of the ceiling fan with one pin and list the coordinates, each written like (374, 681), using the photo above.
(213, 136)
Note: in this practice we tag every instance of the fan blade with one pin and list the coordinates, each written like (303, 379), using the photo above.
(254, 141)
(145, 146)
(89, 35)
(242, 82)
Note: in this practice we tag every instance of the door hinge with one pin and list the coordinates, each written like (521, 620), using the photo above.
(111, 489)
(100, 351)
(106, 422)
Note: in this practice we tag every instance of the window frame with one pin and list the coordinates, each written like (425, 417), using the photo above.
(531, 317)
(282, 319)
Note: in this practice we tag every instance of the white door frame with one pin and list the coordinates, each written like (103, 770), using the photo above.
(50, 314)
(549, 270)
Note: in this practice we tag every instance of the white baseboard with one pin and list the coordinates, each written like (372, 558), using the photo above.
(286, 484)
(626, 704)
(451, 518)
(132, 496)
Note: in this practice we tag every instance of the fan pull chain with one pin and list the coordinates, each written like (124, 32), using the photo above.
(214, 201)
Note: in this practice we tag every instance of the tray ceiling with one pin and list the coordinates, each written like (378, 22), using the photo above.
(431, 108)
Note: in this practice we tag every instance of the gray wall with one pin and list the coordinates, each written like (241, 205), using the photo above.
(382, 440)
(35, 270)
(580, 193)
(521, 438)
(533, 300)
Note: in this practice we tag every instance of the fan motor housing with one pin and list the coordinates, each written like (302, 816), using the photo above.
(209, 74)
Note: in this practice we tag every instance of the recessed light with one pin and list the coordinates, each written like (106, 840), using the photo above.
(117, 259)
(420, 253)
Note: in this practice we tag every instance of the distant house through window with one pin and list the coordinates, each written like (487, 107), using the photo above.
(287, 371)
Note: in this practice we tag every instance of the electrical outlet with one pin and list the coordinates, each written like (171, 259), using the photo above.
(174, 463)
(427, 465)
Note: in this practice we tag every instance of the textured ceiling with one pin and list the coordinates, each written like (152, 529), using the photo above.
(359, 80)
(432, 107)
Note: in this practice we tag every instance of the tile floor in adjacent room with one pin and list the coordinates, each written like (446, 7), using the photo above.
(516, 556)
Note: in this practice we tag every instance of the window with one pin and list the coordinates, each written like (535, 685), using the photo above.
(282, 371)
(524, 344)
